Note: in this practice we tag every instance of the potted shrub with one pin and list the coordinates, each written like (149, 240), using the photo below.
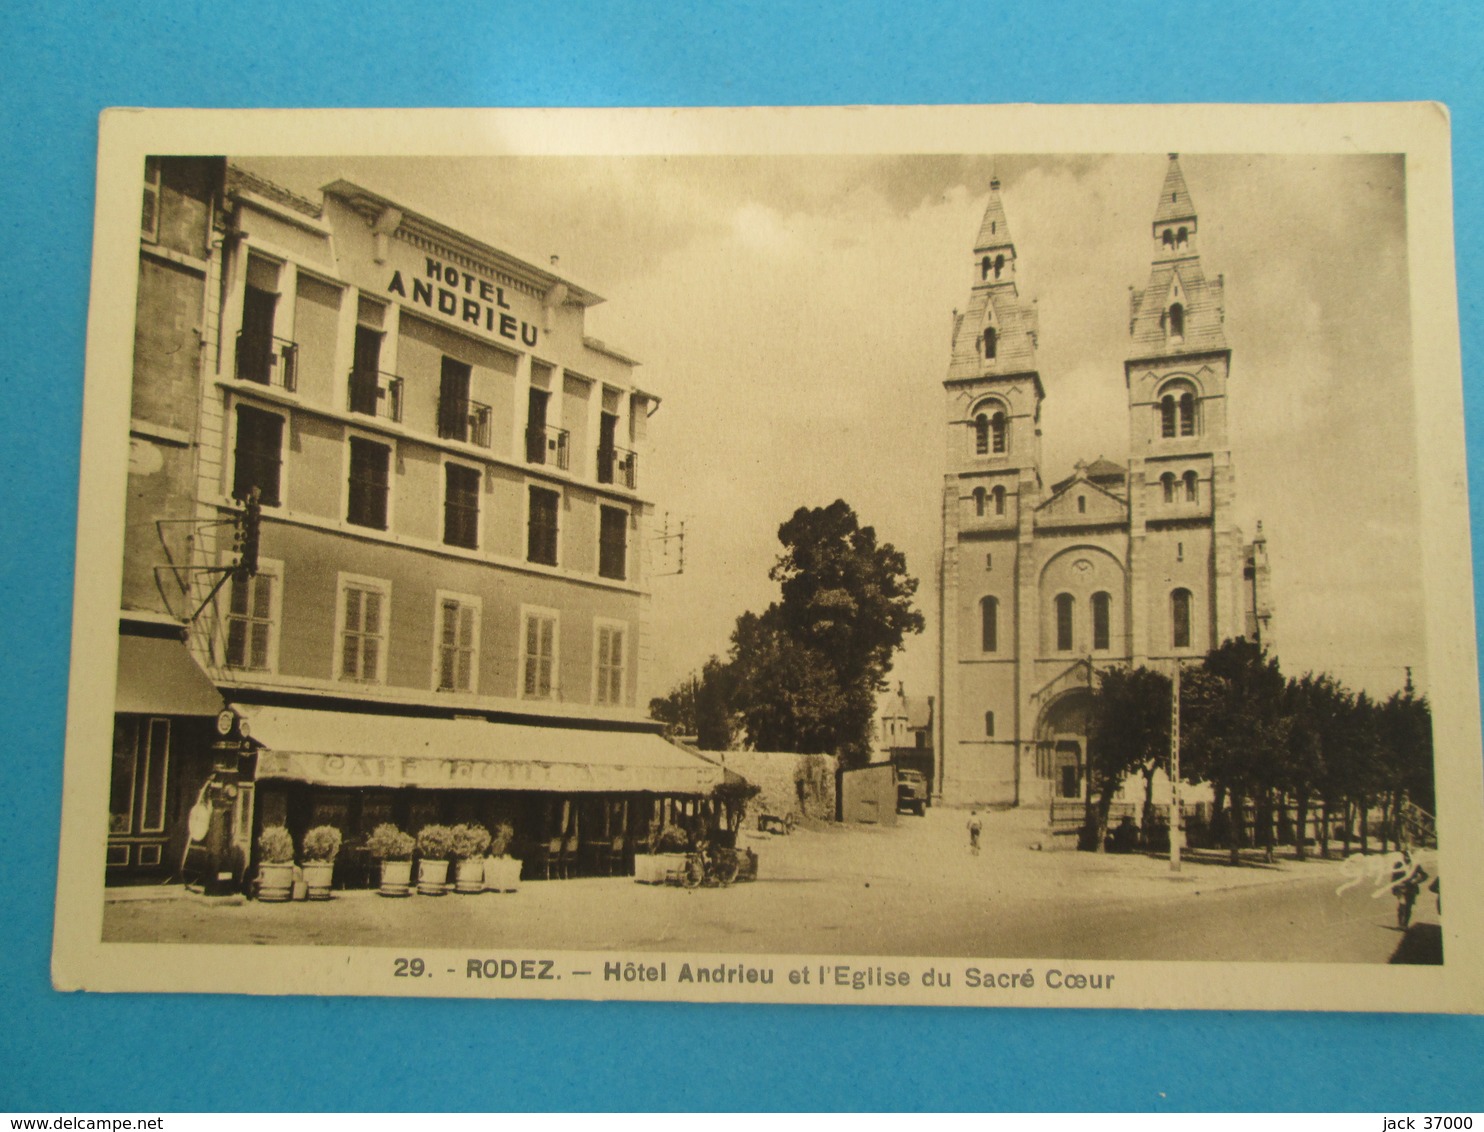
(321, 847)
(667, 846)
(468, 846)
(434, 847)
(501, 871)
(393, 849)
(275, 865)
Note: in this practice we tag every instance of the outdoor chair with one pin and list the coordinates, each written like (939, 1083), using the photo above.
(552, 860)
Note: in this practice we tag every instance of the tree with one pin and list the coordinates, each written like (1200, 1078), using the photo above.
(808, 668)
(1308, 701)
(1233, 730)
(1128, 733)
(1404, 723)
(700, 705)
(716, 728)
(785, 692)
(677, 709)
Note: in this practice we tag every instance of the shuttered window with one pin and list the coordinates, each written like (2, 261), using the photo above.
(453, 400)
(250, 622)
(539, 657)
(363, 636)
(149, 221)
(461, 506)
(610, 664)
(613, 543)
(370, 478)
(258, 460)
(541, 529)
(456, 646)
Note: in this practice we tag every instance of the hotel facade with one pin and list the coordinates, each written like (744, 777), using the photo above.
(446, 615)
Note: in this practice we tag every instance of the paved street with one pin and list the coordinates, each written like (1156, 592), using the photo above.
(912, 890)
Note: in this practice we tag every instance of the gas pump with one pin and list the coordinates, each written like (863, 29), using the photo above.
(211, 818)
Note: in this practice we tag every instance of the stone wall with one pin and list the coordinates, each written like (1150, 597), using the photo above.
(790, 783)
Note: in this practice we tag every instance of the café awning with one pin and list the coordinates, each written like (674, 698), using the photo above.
(352, 749)
(157, 676)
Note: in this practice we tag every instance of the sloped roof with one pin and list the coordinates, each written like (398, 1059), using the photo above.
(919, 712)
(1174, 198)
(994, 230)
(1055, 509)
(1103, 468)
(1101, 473)
(1204, 308)
(1015, 347)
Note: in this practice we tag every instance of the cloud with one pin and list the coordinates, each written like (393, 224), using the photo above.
(794, 313)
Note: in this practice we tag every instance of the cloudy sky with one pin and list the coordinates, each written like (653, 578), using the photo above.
(794, 314)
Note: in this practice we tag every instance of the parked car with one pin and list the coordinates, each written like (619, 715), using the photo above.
(912, 791)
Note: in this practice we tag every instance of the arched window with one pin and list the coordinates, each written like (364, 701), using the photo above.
(1064, 622)
(1187, 414)
(1177, 407)
(1182, 237)
(999, 265)
(997, 433)
(989, 624)
(984, 266)
(1168, 239)
(981, 434)
(999, 500)
(1167, 481)
(1101, 606)
(1192, 491)
(1177, 321)
(991, 342)
(1180, 618)
(979, 502)
(1082, 505)
(989, 724)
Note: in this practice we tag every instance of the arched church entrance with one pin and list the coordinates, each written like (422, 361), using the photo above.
(1061, 745)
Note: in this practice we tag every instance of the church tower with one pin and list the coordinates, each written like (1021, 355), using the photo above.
(1185, 553)
(991, 488)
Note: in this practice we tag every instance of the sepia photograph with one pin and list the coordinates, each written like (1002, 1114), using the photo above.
(910, 558)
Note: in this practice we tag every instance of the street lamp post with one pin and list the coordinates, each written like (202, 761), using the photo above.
(1176, 831)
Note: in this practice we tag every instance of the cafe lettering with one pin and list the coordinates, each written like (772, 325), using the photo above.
(466, 297)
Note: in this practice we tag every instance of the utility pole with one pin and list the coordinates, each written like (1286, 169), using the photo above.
(1176, 831)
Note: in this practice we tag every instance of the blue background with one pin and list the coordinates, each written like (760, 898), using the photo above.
(67, 60)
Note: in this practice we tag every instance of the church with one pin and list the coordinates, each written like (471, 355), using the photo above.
(1044, 584)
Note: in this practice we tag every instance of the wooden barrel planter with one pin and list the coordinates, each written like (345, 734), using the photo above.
(468, 876)
(432, 878)
(396, 878)
(318, 876)
(275, 883)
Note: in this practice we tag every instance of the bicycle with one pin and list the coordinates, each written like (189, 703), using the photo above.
(709, 866)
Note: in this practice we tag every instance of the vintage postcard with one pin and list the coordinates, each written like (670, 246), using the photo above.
(970, 556)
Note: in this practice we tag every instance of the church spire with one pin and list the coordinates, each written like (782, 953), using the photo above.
(1174, 199)
(994, 250)
(996, 334)
(1180, 311)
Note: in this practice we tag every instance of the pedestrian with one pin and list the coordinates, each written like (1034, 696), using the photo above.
(1407, 878)
(974, 830)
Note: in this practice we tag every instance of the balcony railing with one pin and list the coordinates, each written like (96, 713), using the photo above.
(268, 361)
(465, 421)
(618, 465)
(375, 394)
(546, 444)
